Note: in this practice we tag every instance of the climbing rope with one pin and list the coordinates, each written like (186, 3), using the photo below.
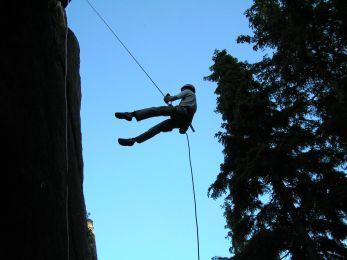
(66, 137)
(162, 93)
(195, 210)
(125, 47)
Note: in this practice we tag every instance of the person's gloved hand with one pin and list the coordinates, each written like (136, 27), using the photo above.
(167, 98)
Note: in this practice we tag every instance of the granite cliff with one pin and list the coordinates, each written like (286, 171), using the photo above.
(43, 202)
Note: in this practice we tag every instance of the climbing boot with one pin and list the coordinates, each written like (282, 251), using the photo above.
(126, 142)
(126, 116)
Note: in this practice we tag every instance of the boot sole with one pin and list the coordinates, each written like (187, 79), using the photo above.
(123, 142)
(122, 116)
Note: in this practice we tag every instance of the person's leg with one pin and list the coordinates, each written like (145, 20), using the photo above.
(164, 126)
(153, 112)
(146, 113)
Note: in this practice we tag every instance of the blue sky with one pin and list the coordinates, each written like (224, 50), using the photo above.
(140, 198)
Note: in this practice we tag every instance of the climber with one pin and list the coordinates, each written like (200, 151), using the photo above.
(181, 116)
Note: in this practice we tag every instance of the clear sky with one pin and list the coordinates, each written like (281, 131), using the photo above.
(140, 198)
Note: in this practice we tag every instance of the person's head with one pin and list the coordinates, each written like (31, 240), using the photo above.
(188, 86)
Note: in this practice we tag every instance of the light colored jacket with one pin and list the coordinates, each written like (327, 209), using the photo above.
(188, 99)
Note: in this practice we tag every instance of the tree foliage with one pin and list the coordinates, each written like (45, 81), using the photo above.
(285, 133)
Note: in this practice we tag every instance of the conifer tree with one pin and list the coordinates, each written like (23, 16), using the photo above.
(285, 133)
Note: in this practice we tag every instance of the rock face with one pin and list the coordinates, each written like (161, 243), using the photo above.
(43, 204)
(91, 240)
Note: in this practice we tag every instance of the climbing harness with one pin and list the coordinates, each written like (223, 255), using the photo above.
(66, 139)
(162, 93)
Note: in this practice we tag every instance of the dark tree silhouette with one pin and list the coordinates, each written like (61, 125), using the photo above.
(285, 133)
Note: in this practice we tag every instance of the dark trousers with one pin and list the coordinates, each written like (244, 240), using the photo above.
(179, 118)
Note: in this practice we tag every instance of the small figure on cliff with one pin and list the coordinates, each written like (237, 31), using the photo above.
(181, 116)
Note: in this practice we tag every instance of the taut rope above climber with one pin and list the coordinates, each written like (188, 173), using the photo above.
(181, 116)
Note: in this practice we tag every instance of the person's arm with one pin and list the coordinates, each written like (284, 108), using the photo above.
(169, 98)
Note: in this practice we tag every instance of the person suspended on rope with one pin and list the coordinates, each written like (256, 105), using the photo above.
(181, 116)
